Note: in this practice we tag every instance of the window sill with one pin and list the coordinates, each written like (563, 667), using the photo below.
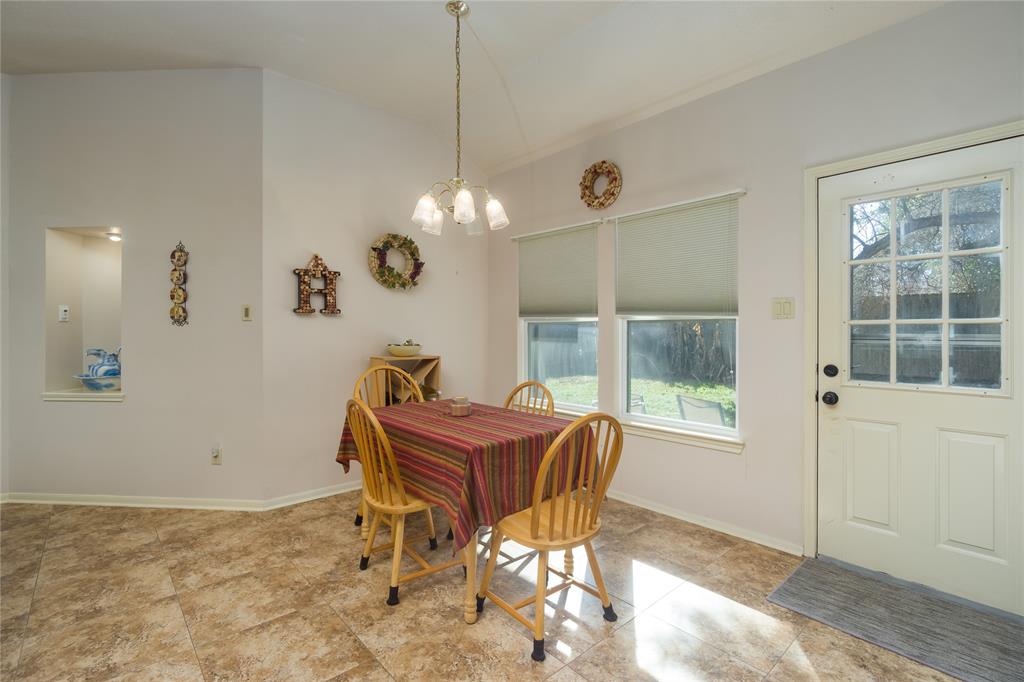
(696, 438)
(701, 440)
(80, 395)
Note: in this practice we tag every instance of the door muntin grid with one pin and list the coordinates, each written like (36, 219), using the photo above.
(925, 287)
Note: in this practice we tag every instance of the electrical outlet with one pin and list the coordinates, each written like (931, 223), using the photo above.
(216, 455)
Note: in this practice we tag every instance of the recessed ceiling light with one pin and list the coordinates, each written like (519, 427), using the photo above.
(114, 236)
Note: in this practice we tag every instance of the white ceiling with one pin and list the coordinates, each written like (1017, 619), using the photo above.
(543, 75)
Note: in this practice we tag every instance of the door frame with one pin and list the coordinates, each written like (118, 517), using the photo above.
(810, 294)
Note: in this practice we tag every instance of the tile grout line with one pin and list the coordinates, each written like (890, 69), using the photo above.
(177, 600)
(728, 654)
(32, 600)
(359, 639)
(779, 660)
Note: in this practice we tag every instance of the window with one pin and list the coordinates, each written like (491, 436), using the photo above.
(676, 297)
(682, 370)
(562, 355)
(676, 312)
(925, 303)
(558, 306)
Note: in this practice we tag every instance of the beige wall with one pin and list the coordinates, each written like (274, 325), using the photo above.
(63, 287)
(166, 155)
(253, 172)
(5, 108)
(337, 175)
(101, 294)
(955, 69)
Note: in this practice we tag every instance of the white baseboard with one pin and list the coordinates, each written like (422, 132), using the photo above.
(307, 495)
(180, 502)
(721, 526)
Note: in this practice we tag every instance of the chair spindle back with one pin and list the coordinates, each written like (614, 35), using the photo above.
(385, 385)
(382, 483)
(531, 397)
(577, 469)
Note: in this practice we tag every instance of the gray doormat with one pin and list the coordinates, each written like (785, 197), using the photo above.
(964, 640)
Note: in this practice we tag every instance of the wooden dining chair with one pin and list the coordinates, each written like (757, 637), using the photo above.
(531, 397)
(381, 386)
(385, 496)
(570, 488)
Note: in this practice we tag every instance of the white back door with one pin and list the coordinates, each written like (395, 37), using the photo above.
(921, 302)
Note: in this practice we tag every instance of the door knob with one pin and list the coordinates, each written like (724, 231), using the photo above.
(830, 397)
(831, 370)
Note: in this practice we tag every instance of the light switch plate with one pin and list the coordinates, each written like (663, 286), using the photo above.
(246, 313)
(783, 308)
(63, 313)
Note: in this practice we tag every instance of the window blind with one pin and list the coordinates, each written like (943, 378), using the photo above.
(558, 273)
(679, 260)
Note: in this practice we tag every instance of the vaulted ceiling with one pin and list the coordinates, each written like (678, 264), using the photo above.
(537, 76)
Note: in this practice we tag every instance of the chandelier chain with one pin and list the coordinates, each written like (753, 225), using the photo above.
(458, 96)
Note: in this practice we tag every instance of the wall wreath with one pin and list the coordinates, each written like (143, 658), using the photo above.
(610, 193)
(388, 276)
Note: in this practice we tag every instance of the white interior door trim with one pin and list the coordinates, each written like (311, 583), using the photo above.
(810, 298)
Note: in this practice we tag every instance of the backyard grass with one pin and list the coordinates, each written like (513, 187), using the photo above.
(659, 396)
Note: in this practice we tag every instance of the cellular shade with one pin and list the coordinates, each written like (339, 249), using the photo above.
(679, 260)
(558, 273)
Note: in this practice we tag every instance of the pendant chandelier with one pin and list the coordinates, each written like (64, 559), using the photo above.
(454, 196)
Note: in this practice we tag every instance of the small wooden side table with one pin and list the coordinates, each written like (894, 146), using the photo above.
(425, 369)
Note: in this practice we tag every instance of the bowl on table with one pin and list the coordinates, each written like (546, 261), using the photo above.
(401, 350)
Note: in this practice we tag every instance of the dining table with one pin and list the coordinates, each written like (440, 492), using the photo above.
(478, 468)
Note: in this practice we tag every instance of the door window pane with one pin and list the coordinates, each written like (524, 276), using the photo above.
(683, 370)
(919, 223)
(869, 292)
(974, 285)
(919, 289)
(975, 355)
(918, 353)
(974, 216)
(869, 352)
(869, 229)
(563, 357)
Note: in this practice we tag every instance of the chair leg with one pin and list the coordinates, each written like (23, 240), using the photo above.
(568, 564)
(609, 612)
(538, 608)
(361, 511)
(364, 561)
(492, 561)
(398, 528)
(364, 531)
(431, 535)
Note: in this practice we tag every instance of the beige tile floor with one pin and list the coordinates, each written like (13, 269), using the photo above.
(113, 593)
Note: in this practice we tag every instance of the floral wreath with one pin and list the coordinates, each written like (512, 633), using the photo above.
(610, 193)
(386, 275)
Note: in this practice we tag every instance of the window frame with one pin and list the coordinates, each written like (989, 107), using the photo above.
(678, 426)
(523, 361)
(1005, 177)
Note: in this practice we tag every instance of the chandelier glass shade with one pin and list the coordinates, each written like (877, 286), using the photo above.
(455, 196)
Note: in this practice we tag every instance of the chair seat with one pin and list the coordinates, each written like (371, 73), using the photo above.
(415, 504)
(517, 526)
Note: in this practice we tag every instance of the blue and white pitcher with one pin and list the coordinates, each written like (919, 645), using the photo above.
(105, 373)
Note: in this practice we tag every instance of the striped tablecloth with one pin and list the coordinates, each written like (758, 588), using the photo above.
(479, 468)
